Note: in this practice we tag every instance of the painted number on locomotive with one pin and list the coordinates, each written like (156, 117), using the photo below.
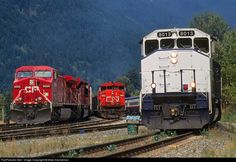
(186, 33)
(164, 34)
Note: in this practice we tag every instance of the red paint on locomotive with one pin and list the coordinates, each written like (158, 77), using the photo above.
(41, 94)
(111, 100)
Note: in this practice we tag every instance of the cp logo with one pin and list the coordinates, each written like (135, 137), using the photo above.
(31, 89)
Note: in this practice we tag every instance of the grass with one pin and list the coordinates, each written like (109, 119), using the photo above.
(229, 148)
(111, 148)
(229, 116)
(25, 148)
(164, 134)
(204, 132)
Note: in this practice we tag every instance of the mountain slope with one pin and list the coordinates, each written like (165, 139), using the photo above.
(94, 39)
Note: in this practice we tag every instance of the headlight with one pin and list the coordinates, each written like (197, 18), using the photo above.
(31, 82)
(17, 86)
(153, 85)
(46, 86)
(46, 94)
(174, 60)
(173, 55)
(193, 84)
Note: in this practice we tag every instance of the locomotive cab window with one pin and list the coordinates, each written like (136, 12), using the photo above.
(184, 43)
(151, 46)
(115, 87)
(121, 88)
(167, 43)
(86, 91)
(201, 44)
(55, 75)
(103, 88)
(43, 74)
(24, 74)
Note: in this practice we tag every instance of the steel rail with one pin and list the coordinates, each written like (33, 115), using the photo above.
(94, 148)
(57, 126)
(8, 135)
(14, 126)
(148, 147)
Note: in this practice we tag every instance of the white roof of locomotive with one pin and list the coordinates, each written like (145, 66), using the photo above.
(198, 33)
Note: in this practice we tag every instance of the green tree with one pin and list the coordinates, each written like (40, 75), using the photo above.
(210, 23)
(215, 25)
(131, 80)
(128, 84)
(226, 50)
(134, 77)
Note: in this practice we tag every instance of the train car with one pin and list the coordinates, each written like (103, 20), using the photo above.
(111, 100)
(181, 83)
(40, 94)
(132, 105)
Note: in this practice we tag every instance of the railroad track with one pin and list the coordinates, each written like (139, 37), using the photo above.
(59, 129)
(149, 147)
(122, 148)
(12, 126)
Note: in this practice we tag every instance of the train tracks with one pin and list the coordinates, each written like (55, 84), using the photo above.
(122, 148)
(63, 129)
(13, 126)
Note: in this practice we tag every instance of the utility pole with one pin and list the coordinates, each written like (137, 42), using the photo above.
(2, 106)
(5, 118)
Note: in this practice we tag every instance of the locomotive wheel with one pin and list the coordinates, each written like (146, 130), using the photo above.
(56, 115)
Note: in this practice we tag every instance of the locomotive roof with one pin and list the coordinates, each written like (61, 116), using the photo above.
(198, 33)
(70, 78)
(33, 68)
(111, 84)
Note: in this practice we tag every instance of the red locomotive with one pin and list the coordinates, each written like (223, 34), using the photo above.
(111, 100)
(41, 94)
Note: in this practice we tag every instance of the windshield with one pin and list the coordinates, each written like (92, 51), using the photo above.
(184, 43)
(24, 74)
(43, 74)
(167, 43)
(112, 87)
(151, 46)
(121, 88)
(201, 44)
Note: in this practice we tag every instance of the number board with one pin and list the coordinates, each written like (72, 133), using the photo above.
(186, 33)
(164, 34)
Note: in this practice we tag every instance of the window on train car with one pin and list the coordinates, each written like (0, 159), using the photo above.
(103, 88)
(24, 74)
(86, 91)
(109, 87)
(115, 87)
(184, 43)
(43, 74)
(121, 88)
(151, 46)
(201, 44)
(55, 75)
(167, 43)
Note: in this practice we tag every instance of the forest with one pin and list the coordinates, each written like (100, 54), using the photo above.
(98, 40)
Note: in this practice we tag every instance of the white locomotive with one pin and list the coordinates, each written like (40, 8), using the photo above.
(181, 84)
